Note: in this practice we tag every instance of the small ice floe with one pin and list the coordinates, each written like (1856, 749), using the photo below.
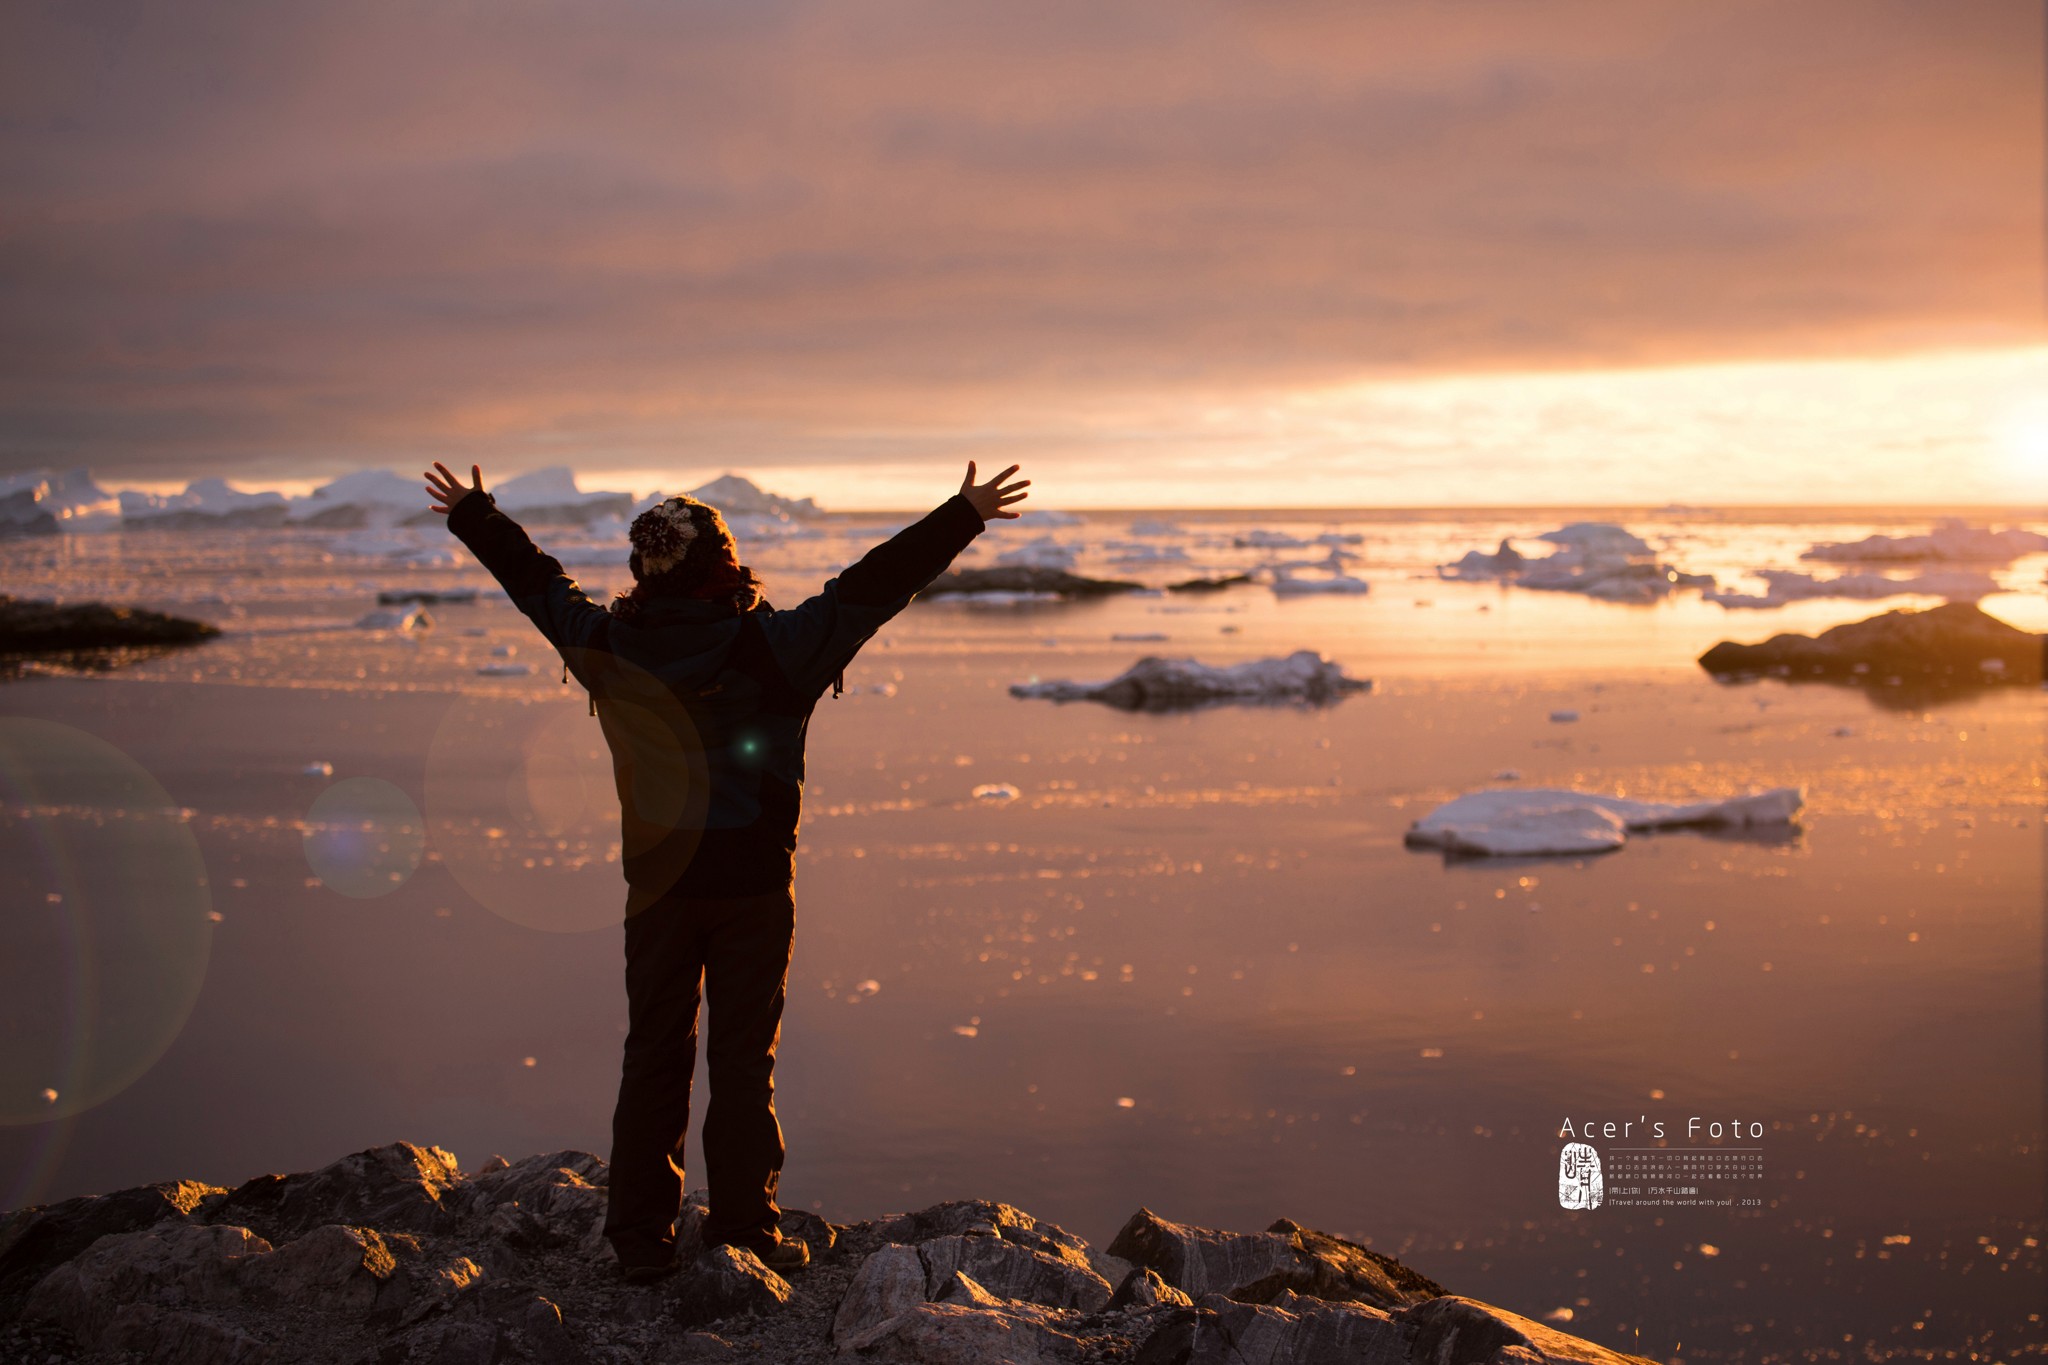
(1595, 558)
(1263, 539)
(1545, 822)
(1138, 637)
(996, 791)
(1153, 526)
(1787, 585)
(504, 670)
(1041, 516)
(1156, 684)
(1138, 554)
(398, 597)
(1563, 717)
(317, 769)
(1285, 584)
(396, 618)
(504, 651)
(1508, 775)
(1045, 552)
(1954, 542)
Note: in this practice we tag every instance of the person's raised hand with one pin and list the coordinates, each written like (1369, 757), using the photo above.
(447, 490)
(989, 499)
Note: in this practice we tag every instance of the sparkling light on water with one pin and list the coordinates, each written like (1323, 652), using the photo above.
(106, 907)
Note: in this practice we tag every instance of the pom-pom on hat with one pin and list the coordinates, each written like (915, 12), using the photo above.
(663, 533)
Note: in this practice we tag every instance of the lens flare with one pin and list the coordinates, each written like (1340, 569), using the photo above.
(107, 928)
(364, 837)
(522, 799)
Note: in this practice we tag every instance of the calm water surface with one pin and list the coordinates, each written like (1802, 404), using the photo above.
(1188, 965)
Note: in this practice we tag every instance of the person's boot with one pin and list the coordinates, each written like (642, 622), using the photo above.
(782, 1255)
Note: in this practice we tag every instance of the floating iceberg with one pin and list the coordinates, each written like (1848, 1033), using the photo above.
(1594, 558)
(504, 670)
(1950, 541)
(1262, 539)
(1154, 526)
(1285, 584)
(1044, 552)
(1156, 684)
(1789, 585)
(399, 618)
(1551, 822)
(368, 497)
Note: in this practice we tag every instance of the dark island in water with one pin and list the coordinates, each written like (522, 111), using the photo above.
(89, 635)
(396, 1255)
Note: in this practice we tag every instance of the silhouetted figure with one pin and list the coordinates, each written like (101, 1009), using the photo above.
(704, 692)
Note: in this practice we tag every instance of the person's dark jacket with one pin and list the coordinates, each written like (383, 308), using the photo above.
(704, 706)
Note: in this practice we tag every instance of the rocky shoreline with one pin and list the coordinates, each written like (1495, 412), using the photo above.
(395, 1255)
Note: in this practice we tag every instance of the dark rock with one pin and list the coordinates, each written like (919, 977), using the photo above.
(804, 1226)
(956, 1334)
(1256, 1267)
(335, 1266)
(1027, 578)
(1143, 1288)
(1060, 1278)
(446, 1342)
(165, 1336)
(30, 626)
(1297, 1331)
(725, 1282)
(169, 1265)
(890, 1281)
(396, 597)
(548, 1200)
(1955, 644)
(35, 1241)
(1209, 584)
(959, 1217)
(1450, 1330)
(399, 1187)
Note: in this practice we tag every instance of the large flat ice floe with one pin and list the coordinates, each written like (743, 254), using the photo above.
(1156, 684)
(1514, 822)
(1953, 542)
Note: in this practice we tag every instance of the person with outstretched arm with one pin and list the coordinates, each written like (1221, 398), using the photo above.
(704, 693)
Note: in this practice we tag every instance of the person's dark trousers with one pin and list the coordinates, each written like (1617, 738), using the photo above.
(738, 948)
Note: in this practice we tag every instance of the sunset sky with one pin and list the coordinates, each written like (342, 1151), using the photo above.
(1164, 254)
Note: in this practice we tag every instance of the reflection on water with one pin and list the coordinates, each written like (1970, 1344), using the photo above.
(1189, 964)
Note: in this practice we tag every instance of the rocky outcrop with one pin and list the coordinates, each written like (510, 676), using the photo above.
(396, 1255)
(1953, 645)
(30, 626)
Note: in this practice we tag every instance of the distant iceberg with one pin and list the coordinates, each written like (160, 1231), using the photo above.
(550, 497)
(42, 501)
(1950, 542)
(1156, 684)
(733, 495)
(1552, 822)
(1789, 585)
(204, 503)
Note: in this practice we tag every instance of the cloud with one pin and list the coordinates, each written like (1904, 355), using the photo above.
(290, 239)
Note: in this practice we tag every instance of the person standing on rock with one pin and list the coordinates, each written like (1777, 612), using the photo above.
(704, 693)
